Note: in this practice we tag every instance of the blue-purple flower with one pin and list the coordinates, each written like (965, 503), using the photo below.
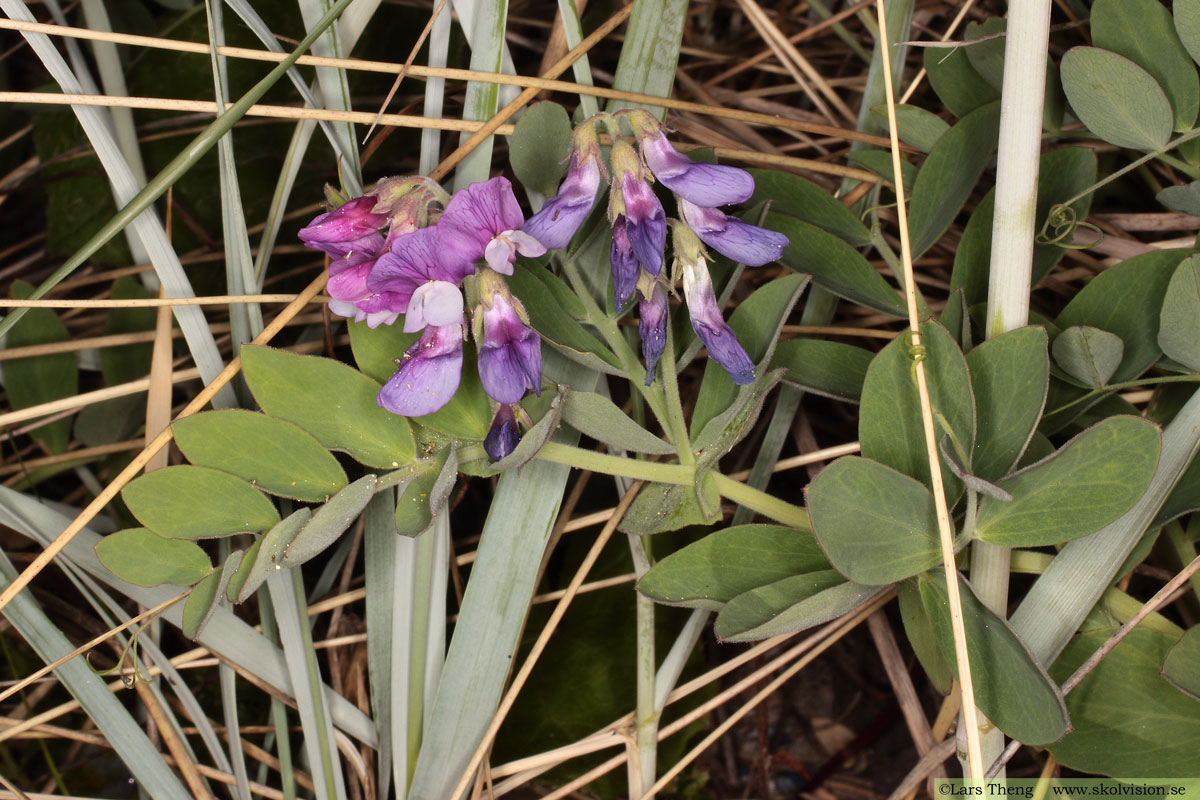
(487, 221)
(652, 325)
(633, 207)
(740, 241)
(429, 373)
(720, 340)
(504, 436)
(706, 185)
(510, 352)
(555, 225)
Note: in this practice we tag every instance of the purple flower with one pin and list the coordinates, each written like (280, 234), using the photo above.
(430, 254)
(488, 222)
(429, 373)
(625, 267)
(510, 352)
(435, 303)
(350, 230)
(718, 337)
(503, 437)
(644, 221)
(703, 184)
(652, 327)
(744, 243)
(556, 224)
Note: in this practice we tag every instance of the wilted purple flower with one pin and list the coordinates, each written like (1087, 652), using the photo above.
(351, 229)
(503, 437)
(632, 205)
(703, 184)
(430, 254)
(625, 267)
(652, 327)
(429, 373)
(488, 222)
(744, 243)
(510, 352)
(718, 337)
(556, 224)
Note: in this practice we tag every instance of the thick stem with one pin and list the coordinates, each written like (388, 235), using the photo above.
(674, 405)
(642, 769)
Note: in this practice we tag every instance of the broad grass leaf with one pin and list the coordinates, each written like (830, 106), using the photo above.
(876, 525)
(890, 426)
(1179, 322)
(880, 162)
(834, 265)
(956, 82)
(1182, 665)
(1116, 99)
(1088, 355)
(1090, 482)
(188, 502)
(539, 146)
(1126, 718)
(1144, 32)
(329, 522)
(915, 125)
(142, 557)
(788, 605)
(725, 563)
(1011, 688)
(832, 369)
(1010, 375)
(333, 402)
(598, 417)
(949, 175)
(792, 195)
(276, 456)
(30, 382)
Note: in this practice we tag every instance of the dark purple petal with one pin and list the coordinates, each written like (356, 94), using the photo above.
(652, 327)
(349, 284)
(429, 373)
(510, 355)
(483, 210)
(646, 223)
(350, 221)
(740, 241)
(703, 184)
(503, 437)
(430, 254)
(556, 224)
(624, 264)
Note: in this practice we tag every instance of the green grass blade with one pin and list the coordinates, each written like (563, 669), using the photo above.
(293, 160)
(385, 579)
(581, 69)
(651, 51)
(335, 91)
(435, 91)
(486, 32)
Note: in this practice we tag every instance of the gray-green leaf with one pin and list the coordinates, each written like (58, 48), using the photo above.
(1088, 355)
(1010, 374)
(187, 502)
(598, 417)
(1179, 323)
(329, 522)
(789, 605)
(143, 558)
(1116, 99)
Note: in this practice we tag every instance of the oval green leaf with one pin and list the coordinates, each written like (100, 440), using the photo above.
(188, 502)
(333, 402)
(258, 563)
(329, 522)
(916, 126)
(539, 146)
(143, 558)
(1143, 32)
(789, 605)
(276, 456)
(598, 417)
(956, 82)
(725, 563)
(1011, 688)
(1116, 99)
(201, 603)
(1088, 355)
(1010, 374)
(1187, 25)
(792, 195)
(32, 381)
(876, 525)
(1182, 664)
(1179, 323)
(1094, 479)
(832, 369)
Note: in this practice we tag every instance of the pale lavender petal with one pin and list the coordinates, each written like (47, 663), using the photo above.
(429, 373)
(556, 223)
(374, 320)
(744, 243)
(624, 264)
(646, 223)
(720, 340)
(503, 437)
(500, 254)
(483, 210)
(526, 244)
(433, 303)
(343, 308)
(704, 184)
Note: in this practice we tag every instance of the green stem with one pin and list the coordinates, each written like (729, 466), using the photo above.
(615, 465)
(763, 503)
(1189, 378)
(1171, 145)
(180, 164)
(674, 404)
(641, 774)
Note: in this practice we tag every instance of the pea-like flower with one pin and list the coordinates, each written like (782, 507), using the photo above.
(710, 326)
(555, 225)
(510, 352)
(350, 231)
(706, 185)
(652, 325)
(504, 436)
(740, 241)
(636, 210)
(429, 373)
(487, 222)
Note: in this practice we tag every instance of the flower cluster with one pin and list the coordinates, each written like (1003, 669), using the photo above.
(432, 245)
(639, 230)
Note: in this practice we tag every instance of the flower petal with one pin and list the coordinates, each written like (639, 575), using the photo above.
(652, 328)
(429, 374)
(434, 303)
(484, 210)
(646, 223)
(624, 264)
(510, 354)
(703, 184)
(503, 437)
(710, 326)
(352, 220)
(556, 223)
(747, 244)
(430, 254)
